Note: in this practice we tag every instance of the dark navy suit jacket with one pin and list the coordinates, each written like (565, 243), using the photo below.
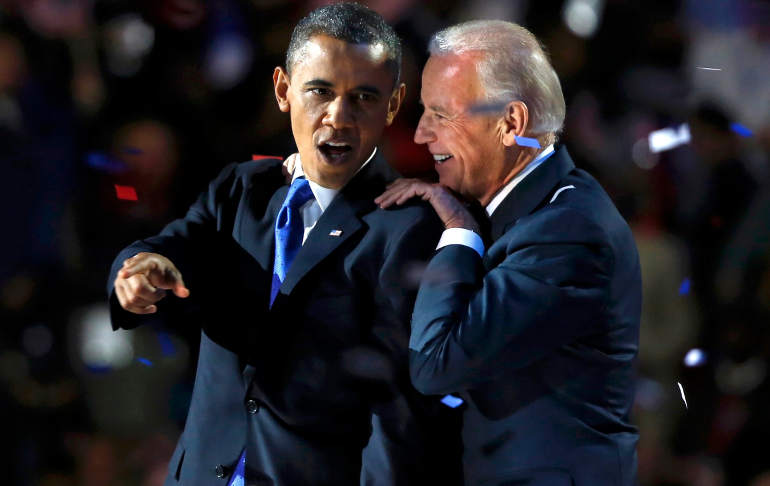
(539, 335)
(297, 383)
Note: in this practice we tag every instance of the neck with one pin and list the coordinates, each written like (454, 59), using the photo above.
(516, 162)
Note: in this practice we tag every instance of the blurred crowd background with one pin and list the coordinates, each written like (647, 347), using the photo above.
(668, 106)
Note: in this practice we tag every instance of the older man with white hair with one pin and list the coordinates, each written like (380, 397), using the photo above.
(538, 331)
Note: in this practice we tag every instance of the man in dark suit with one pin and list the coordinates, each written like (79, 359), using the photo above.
(538, 331)
(299, 289)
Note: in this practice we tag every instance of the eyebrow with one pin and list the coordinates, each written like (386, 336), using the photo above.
(437, 109)
(318, 82)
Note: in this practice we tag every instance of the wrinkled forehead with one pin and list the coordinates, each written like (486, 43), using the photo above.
(451, 75)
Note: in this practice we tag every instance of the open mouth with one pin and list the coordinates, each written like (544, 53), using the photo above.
(441, 158)
(335, 151)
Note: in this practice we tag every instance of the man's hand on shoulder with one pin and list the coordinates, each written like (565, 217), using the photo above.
(450, 209)
(288, 166)
(143, 281)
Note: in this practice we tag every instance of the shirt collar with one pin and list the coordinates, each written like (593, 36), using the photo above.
(503, 193)
(323, 195)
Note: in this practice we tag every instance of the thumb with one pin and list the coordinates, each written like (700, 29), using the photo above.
(180, 290)
(169, 278)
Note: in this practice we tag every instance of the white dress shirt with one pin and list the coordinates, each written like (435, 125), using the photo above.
(462, 236)
(322, 197)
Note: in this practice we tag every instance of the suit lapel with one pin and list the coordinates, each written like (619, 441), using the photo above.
(530, 192)
(340, 221)
(257, 229)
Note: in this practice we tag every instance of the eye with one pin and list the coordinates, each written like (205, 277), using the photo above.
(365, 97)
(320, 91)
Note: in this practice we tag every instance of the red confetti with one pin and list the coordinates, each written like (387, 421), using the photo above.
(126, 192)
(260, 157)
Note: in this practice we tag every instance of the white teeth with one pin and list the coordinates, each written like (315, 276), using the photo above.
(336, 144)
(441, 158)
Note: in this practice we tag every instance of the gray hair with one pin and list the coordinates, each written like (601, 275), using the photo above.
(514, 66)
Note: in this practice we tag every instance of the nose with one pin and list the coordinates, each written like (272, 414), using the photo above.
(424, 133)
(339, 113)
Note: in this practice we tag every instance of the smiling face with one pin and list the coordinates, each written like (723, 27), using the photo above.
(468, 149)
(340, 97)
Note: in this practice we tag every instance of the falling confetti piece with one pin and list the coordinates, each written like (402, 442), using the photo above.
(127, 193)
(452, 401)
(527, 142)
(681, 390)
(98, 370)
(166, 345)
(668, 138)
(260, 157)
(487, 108)
(684, 287)
(695, 357)
(103, 162)
(740, 130)
(144, 361)
(708, 68)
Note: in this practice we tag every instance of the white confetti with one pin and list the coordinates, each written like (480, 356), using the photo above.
(681, 390)
(695, 357)
(708, 68)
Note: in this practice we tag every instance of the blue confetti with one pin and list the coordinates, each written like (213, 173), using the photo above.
(527, 142)
(144, 361)
(684, 287)
(452, 401)
(103, 162)
(166, 345)
(487, 108)
(695, 357)
(98, 370)
(740, 130)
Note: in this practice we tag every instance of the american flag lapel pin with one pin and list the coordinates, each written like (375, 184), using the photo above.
(336, 232)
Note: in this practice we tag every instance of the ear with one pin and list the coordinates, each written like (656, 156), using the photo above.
(281, 83)
(394, 103)
(515, 122)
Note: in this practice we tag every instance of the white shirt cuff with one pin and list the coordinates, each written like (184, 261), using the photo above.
(461, 236)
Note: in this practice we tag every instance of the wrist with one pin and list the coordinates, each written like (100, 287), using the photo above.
(467, 225)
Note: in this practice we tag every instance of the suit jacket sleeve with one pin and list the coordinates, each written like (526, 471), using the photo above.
(184, 242)
(471, 324)
(415, 439)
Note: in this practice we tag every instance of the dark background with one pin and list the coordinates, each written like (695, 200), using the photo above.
(160, 94)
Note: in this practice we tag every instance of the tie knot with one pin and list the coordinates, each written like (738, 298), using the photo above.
(299, 193)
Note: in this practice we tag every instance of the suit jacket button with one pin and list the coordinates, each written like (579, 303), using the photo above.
(220, 471)
(252, 406)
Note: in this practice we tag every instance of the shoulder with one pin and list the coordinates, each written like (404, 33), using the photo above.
(249, 170)
(578, 209)
(242, 175)
(415, 214)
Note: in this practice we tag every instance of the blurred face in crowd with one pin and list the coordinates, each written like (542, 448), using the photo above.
(340, 97)
(469, 150)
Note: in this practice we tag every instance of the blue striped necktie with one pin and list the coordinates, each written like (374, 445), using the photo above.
(289, 230)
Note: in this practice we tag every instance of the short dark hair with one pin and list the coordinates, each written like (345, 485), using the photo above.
(350, 22)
